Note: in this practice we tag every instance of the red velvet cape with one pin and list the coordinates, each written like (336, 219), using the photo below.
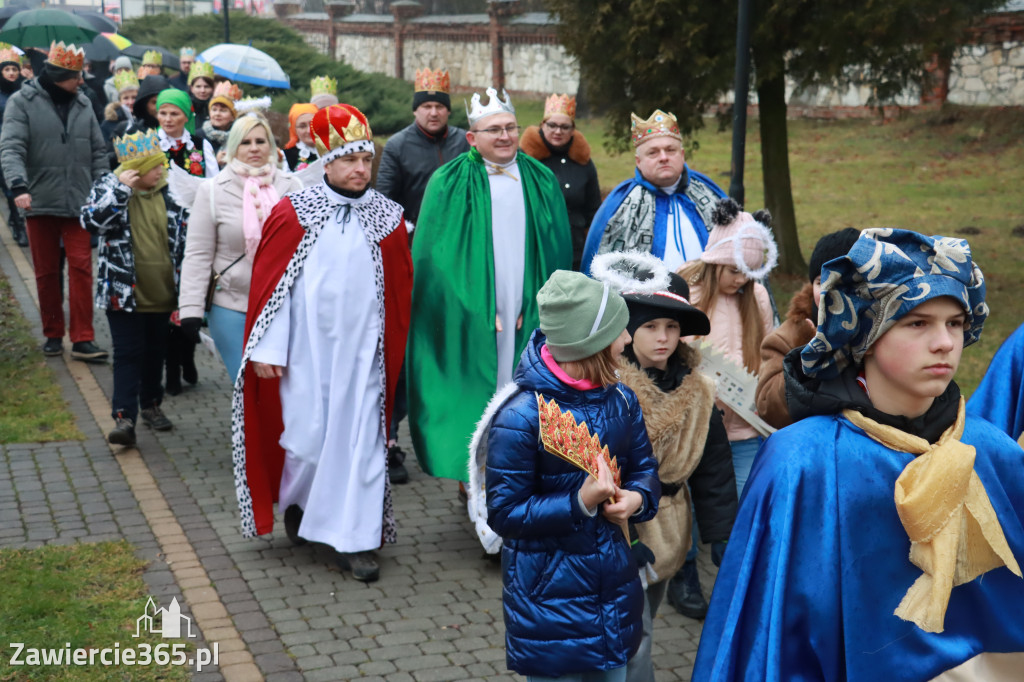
(264, 457)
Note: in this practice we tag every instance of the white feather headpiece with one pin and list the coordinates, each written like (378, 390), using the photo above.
(631, 272)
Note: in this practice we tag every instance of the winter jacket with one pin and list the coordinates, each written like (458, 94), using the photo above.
(410, 157)
(113, 116)
(577, 177)
(727, 337)
(571, 588)
(105, 214)
(215, 240)
(794, 332)
(55, 163)
(690, 444)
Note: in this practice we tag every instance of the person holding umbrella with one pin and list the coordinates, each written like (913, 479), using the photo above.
(152, 64)
(10, 83)
(51, 152)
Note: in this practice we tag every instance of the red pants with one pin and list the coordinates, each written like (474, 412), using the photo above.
(44, 237)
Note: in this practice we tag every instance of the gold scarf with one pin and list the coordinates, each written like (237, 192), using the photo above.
(954, 533)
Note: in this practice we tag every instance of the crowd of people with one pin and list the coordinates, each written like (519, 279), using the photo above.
(542, 342)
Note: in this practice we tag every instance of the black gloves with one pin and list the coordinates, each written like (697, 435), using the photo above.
(190, 327)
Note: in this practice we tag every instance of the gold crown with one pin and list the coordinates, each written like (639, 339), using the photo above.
(228, 90)
(660, 124)
(433, 81)
(323, 85)
(137, 146)
(66, 56)
(125, 80)
(152, 58)
(7, 54)
(560, 104)
(564, 438)
(200, 70)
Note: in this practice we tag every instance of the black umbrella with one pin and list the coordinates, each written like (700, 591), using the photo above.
(98, 21)
(138, 51)
(101, 49)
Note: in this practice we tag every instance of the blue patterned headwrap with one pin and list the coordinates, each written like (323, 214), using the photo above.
(886, 274)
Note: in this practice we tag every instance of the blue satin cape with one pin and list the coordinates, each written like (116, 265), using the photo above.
(818, 561)
(1000, 396)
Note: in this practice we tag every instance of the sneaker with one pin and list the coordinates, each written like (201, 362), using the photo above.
(53, 347)
(88, 351)
(292, 521)
(396, 470)
(154, 418)
(123, 433)
(684, 592)
(362, 564)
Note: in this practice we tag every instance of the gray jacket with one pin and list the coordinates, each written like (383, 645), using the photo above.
(57, 164)
(410, 157)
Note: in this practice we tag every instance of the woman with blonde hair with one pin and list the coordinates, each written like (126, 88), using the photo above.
(224, 232)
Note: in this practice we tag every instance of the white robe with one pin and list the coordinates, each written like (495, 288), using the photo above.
(681, 241)
(327, 336)
(508, 234)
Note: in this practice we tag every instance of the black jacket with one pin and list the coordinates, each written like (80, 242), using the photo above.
(577, 177)
(410, 157)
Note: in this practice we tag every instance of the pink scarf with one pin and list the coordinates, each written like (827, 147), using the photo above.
(258, 198)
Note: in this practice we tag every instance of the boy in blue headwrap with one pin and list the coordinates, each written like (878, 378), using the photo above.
(866, 525)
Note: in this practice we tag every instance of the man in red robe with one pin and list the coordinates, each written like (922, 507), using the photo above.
(326, 329)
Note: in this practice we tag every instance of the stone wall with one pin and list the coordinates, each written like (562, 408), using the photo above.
(988, 75)
(372, 54)
(468, 63)
(540, 68)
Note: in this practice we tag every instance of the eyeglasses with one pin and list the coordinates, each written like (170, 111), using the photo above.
(511, 130)
(555, 128)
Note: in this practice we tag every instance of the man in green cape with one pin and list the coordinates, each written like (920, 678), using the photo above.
(493, 226)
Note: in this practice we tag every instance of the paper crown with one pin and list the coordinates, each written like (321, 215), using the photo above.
(340, 128)
(200, 70)
(8, 54)
(323, 85)
(125, 80)
(152, 58)
(560, 104)
(66, 56)
(476, 112)
(228, 90)
(433, 81)
(252, 105)
(563, 437)
(660, 124)
(137, 146)
(187, 52)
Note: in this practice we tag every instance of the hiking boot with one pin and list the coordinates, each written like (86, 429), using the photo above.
(684, 592)
(87, 351)
(362, 564)
(123, 433)
(154, 418)
(396, 470)
(292, 521)
(53, 347)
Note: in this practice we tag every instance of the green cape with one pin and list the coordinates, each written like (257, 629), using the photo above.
(452, 360)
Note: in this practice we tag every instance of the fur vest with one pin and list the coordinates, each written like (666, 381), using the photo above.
(677, 424)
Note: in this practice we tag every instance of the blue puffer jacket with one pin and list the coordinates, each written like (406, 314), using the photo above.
(572, 594)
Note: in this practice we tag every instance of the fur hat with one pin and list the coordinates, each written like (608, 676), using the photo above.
(741, 240)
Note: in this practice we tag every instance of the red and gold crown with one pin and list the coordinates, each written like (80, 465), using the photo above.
(564, 438)
(8, 55)
(227, 89)
(560, 104)
(66, 56)
(340, 129)
(433, 81)
(660, 124)
(200, 70)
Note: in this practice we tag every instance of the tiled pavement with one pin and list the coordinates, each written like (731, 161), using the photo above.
(434, 615)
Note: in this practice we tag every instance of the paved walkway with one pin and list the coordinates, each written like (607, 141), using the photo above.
(277, 612)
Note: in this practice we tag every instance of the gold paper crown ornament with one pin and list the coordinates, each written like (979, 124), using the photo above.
(433, 81)
(660, 124)
(560, 104)
(8, 55)
(137, 146)
(66, 56)
(200, 70)
(152, 58)
(125, 80)
(323, 85)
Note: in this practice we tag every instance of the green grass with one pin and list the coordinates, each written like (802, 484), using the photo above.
(936, 173)
(87, 595)
(32, 408)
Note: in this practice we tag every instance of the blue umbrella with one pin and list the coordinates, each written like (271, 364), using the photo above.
(246, 64)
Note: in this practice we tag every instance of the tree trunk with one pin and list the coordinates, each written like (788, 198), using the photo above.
(778, 192)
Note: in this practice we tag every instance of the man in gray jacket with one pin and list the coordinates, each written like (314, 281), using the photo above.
(410, 157)
(51, 151)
